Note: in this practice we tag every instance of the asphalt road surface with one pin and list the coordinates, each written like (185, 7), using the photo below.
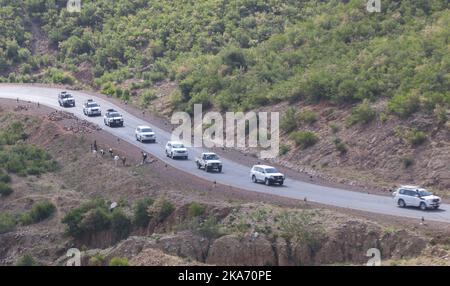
(234, 174)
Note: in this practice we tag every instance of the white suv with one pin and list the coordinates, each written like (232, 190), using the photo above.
(91, 108)
(176, 149)
(267, 174)
(417, 197)
(145, 133)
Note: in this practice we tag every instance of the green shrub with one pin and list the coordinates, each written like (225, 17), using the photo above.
(307, 116)
(334, 128)
(146, 97)
(441, 114)
(75, 216)
(210, 228)
(383, 117)
(13, 133)
(141, 217)
(59, 76)
(289, 122)
(120, 224)
(284, 149)
(7, 223)
(404, 105)
(161, 209)
(196, 209)
(362, 113)
(304, 139)
(27, 260)
(297, 228)
(94, 220)
(108, 89)
(5, 190)
(407, 162)
(96, 260)
(166, 210)
(340, 146)
(416, 137)
(39, 212)
(25, 159)
(119, 261)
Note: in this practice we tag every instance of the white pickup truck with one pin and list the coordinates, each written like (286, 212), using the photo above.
(209, 162)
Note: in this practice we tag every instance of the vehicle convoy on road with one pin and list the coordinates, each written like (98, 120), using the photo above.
(66, 99)
(91, 108)
(209, 162)
(266, 174)
(113, 118)
(176, 149)
(145, 133)
(416, 197)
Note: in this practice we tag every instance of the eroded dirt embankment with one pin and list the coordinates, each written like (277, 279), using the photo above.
(235, 228)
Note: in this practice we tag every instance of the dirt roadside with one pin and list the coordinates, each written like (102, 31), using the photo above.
(166, 174)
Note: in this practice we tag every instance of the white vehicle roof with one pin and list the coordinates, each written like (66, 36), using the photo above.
(264, 166)
(411, 187)
(209, 153)
(143, 127)
(175, 142)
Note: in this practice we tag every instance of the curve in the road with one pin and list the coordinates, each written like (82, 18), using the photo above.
(234, 174)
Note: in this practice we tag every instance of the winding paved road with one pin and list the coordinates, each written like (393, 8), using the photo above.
(234, 174)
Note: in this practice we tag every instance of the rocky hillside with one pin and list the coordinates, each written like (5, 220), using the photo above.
(161, 222)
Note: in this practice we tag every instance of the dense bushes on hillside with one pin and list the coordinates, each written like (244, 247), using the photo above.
(19, 158)
(244, 54)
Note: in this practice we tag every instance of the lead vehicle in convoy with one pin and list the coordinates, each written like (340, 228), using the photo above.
(416, 197)
(145, 133)
(267, 175)
(176, 149)
(113, 118)
(91, 108)
(209, 162)
(66, 99)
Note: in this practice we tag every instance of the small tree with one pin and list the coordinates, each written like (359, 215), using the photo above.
(196, 209)
(141, 217)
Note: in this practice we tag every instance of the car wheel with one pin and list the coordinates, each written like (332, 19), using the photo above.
(171, 155)
(266, 182)
(281, 183)
(254, 179)
(401, 203)
(436, 207)
(198, 166)
(219, 170)
(423, 206)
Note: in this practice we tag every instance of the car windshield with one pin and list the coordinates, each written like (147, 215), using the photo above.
(271, 170)
(178, 145)
(424, 193)
(212, 157)
(67, 95)
(146, 130)
(92, 104)
(114, 114)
